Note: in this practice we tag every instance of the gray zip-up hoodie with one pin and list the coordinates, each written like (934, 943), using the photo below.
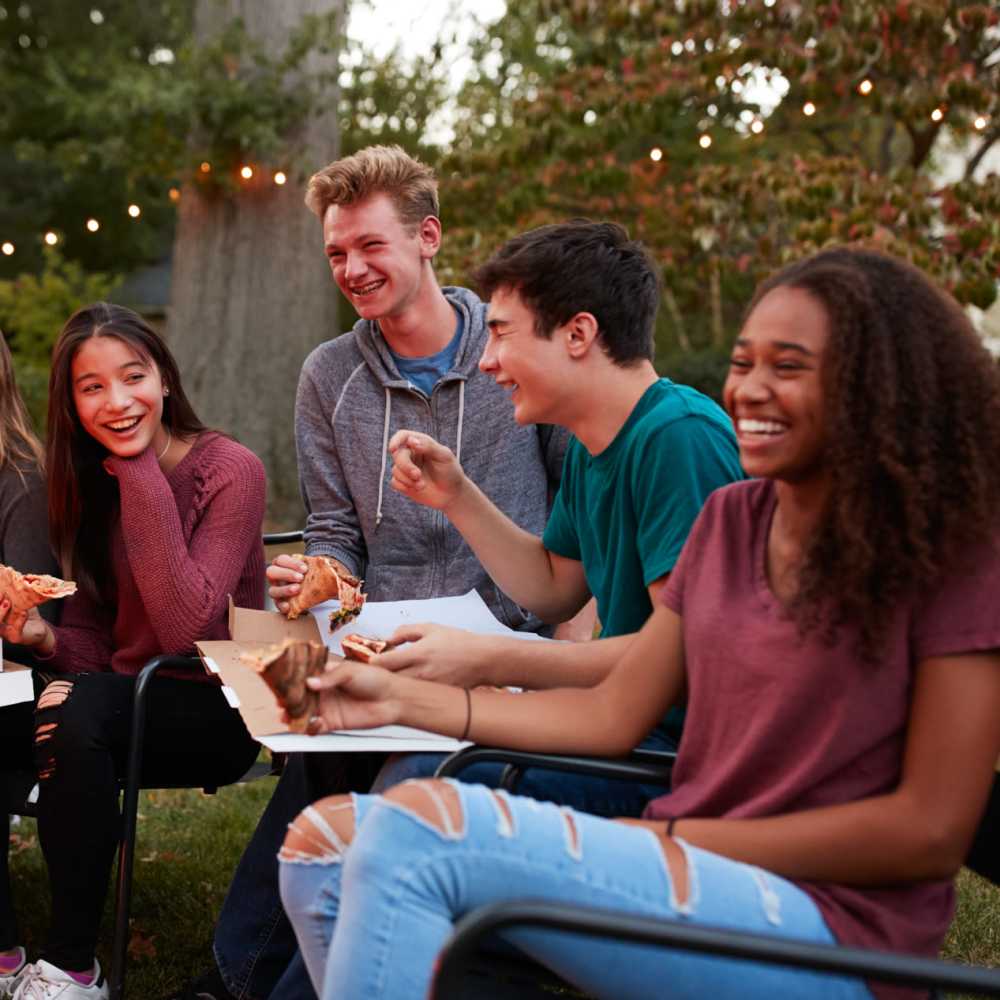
(351, 400)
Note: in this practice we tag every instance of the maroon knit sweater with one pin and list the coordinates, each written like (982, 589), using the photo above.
(185, 542)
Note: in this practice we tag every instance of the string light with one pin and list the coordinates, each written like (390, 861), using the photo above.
(134, 211)
(809, 109)
(936, 115)
(93, 225)
(280, 178)
(656, 154)
(174, 194)
(756, 126)
(7, 248)
(980, 123)
(206, 167)
(51, 238)
(865, 87)
(246, 173)
(705, 141)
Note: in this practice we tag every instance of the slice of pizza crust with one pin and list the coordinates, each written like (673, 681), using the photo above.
(27, 590)
(321, 583)
(285, 667)
(363, 647)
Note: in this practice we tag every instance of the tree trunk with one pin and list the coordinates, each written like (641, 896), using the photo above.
(251, 294)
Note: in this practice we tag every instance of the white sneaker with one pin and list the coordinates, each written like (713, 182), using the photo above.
(9, 979)
(43, 981)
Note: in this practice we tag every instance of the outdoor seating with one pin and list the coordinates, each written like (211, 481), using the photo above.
(475, 928)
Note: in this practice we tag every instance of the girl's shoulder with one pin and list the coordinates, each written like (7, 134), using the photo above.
(217, 458)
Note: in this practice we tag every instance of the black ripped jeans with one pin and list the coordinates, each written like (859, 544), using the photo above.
(16, 768)
(193, 738)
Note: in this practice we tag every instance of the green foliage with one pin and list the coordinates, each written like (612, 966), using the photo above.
(33, 310)
(704, 370)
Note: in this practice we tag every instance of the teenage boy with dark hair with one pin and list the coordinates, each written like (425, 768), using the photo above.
(571, 316)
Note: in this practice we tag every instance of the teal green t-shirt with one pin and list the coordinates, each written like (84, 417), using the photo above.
(626, 513)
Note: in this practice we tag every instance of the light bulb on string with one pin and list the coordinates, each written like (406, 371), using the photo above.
(705, 141)
(980, 123)
(8, 248)
(656, 154)
(206, 167)
(865, 87)
(280, 177)
(809, 109)
(246, 173)
(93, 225)
(51, 238)
(135, 211)
(174, 194)
(937, 114)
(756, 126)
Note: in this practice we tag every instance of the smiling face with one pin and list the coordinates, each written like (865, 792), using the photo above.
(774, 391)
(377, 261)
(531, 367)
(118, 395)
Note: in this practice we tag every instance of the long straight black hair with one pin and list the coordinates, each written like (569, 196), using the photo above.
(83, 497)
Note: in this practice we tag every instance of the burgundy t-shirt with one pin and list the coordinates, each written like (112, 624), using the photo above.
(778, 723)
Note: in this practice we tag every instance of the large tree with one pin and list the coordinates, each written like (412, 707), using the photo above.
(251, 294)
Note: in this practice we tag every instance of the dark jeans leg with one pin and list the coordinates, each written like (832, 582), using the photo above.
(15, 755)
(255, 947)
(598, 796)
(192, 737)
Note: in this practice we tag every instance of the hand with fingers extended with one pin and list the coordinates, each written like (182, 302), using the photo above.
(437, 653)
(25, 628)
(354, 695)
(285, 576)
(424, 470)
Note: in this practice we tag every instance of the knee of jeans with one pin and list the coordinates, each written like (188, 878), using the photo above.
(431, 801)
(48, 716)
(321, 833)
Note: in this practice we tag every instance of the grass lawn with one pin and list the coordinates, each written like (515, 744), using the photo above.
(189, 844)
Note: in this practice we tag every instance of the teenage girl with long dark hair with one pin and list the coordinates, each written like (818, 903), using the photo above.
(158, 520)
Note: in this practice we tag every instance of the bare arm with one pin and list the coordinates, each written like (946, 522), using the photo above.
(609, 718)
(453, 656)
(919, 831)
(551, 586)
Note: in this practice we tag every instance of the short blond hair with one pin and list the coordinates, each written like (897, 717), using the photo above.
(389, 170)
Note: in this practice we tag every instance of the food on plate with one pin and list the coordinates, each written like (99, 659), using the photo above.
(27, 590)
(363, 647)
(321, 583)
(285, 667)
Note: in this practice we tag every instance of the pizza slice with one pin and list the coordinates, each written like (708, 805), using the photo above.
(322, 582)
(27, 590)
(362, 647)
(284, 668)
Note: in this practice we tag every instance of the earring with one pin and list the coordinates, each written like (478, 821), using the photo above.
(166, 390)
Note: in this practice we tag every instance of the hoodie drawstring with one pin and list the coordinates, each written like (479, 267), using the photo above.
(385, 453)
(461, 415)
(385, 442)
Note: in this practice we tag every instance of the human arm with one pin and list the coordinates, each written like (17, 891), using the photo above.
(551, 586)
(609, 718)
(455, 656)
(332, 524)
(922, 829)
(185, 576)
(581, 627)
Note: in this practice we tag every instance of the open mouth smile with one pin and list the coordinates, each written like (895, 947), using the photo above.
(360, 291)
(122, 426)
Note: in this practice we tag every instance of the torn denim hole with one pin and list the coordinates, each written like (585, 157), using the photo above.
(505, 818)
(574, 847)
(445, 826)
(327, 846)
(47, 712)
(770, 901)
(688, 907)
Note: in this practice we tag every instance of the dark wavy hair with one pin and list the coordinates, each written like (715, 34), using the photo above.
(913, 419)
(83, 498)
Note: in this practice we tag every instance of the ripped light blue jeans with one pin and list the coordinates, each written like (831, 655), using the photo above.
(372, 917)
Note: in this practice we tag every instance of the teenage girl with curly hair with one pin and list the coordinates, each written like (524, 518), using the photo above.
(834, 629)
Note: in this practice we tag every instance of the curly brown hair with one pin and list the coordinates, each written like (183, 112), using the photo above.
(913, 419)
